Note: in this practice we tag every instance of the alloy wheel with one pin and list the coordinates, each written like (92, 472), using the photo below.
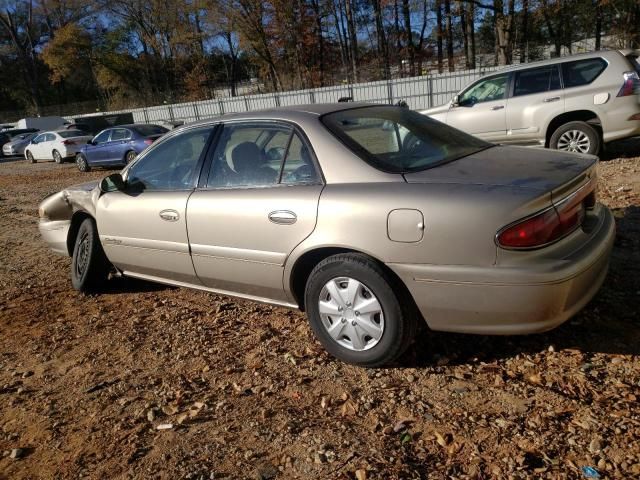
(574, 141)
(351, 314)
(82, 258)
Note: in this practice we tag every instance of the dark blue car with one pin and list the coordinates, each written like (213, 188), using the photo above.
(117, 146)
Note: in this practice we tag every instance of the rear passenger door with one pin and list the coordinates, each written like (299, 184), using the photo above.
(117, 146)
(536, 98)
(258, 202)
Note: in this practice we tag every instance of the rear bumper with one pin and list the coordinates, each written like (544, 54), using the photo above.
(511, 300)
(54, 233)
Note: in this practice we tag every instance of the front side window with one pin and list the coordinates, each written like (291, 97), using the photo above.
(582, 72)
(493, 88)
(421, 141)
(102, 137)
(170, 165)
(536, 80)
(40, 138)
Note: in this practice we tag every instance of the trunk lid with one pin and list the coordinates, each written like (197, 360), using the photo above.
(521, 167)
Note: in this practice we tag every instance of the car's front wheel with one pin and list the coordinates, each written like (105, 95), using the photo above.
(357, 311)
(30, 158)
(81, 163)
(89, 265)
(577, 137)
(130, 156)
(57, 157)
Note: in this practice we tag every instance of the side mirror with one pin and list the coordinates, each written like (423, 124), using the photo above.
(468, 102)
(112, 183)
(455, 101)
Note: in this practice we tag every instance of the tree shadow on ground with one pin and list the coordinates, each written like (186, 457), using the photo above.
(610, 323)
(627, 148)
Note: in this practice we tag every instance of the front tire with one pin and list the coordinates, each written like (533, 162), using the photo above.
(89, 265)
(577, 137)
(130, 156)
(57, 157)
(357, 310)
(30, 158)
(82, 163)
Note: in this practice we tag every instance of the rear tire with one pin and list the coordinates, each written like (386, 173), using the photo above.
(366, 318)
(576, 137)
(82, 163)
(89, 265)
(30, 158)
(57, 157)
(130, 156)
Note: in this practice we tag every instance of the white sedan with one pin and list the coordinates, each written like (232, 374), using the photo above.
(56, 145)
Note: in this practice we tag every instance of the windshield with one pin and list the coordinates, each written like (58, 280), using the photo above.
(146, 130)
(71, 133)
(399, 140)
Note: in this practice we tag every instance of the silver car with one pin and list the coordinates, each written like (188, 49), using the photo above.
(368, 217)
(574, 103)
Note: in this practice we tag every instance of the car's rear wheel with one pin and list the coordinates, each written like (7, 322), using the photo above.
(82, 163)
(57, 157)
(577, 137)
(89, 265)
(30, 158)
(130, 156)
(357, 311)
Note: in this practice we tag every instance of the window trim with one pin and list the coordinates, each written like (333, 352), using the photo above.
(109, 130)
(214, 126)
(204, 175)
(127, 138)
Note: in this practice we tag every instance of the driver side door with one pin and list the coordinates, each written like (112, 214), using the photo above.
(95, 150)
(481, 109)
(143, 229)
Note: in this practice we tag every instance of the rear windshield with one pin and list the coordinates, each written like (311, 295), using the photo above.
(146, 130)
(399, 140)
(71, 133)
(633, 59)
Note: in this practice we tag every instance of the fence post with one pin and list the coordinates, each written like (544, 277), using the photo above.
(430, 94)
(171, 113)
(277, 97)
(246, 104)
(312, 96)
(389, 92)
(221, 107)
(146, 115)
(195, 111)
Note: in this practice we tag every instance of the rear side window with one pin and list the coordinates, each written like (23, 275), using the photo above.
(536, 80)
(582, 72)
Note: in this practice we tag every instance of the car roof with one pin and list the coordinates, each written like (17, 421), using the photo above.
(568, 58)
(287, 113)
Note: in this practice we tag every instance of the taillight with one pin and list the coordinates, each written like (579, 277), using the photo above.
(148, 141)
(68, 142)
(549, 225)
(630, 85)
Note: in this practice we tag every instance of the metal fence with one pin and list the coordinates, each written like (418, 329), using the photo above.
(419, 93)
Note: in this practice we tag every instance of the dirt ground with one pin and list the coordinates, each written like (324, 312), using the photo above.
(146, 381)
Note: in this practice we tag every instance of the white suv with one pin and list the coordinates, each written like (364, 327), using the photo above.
(574, 103)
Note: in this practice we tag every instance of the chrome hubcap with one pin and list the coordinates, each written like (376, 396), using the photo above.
(82, 258)
(574, 141)
(351, 314)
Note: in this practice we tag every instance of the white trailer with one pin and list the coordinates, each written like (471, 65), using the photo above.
(41, 123)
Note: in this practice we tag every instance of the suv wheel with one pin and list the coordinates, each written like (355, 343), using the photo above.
(576, 137)
(356, 312)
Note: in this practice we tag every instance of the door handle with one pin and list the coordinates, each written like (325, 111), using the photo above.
(283, 217)
(497, 107)
(551, 99)
(169, 215)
